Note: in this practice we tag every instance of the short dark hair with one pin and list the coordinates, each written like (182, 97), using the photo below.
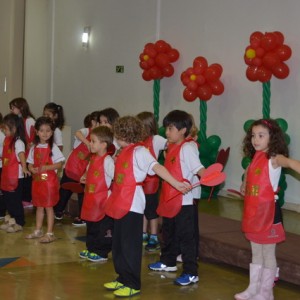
(180, 119)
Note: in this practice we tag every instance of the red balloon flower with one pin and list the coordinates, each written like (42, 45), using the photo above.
(156, 60)
(202, 81)
(265, 56)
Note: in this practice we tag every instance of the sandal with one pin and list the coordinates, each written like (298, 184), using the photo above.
(36, 234)
(47, 238)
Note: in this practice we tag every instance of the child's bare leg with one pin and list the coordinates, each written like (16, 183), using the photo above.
(39, 218)
(50, 219)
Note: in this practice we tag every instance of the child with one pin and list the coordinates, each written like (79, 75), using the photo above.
(155, 144)
(2, 202)
(75, 167)
(44, 159)
(262, 219)
(56, 113)
(126, 204)
(14, 169)
(97, 181)
(178, 228)
(107, 117)
(20, 107)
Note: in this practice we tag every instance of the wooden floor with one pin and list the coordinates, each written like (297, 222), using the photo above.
(30, 270)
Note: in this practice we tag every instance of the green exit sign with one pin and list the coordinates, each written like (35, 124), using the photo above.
(119, 69)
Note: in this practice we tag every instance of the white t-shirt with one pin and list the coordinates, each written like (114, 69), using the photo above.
(57, 137)
(56, 157)
(196, 190)
(20, 147)
(2, 137)
(29, 123)
(143, 162)
(159, 144)
(77, 142)
(274, 175)
(190, 166)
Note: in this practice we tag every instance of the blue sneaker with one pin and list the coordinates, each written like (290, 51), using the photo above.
(94, 257)
(152, 245)
(159, 266)
(186, 279)
(145, 238)
(84, 254)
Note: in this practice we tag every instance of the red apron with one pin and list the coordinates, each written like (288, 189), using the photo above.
(29, 137)
(78, 161)
(96, 191)
(123, 188)
(10, 166)
(170, 200)
(45, 186)
(151, 183)
(259, 206)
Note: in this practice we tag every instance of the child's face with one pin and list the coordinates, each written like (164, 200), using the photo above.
(104, 122)
(7, 131)
(44, 133)
(15, 110)
(94, 124)
(260, 138)
(97, 146)
(175, 136)
(48, 113)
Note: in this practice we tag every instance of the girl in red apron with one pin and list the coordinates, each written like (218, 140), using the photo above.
(75, 167)
(14, 169)
(97, 182)
(19, 106)
(262, 219)
(44, 160)
(155, 144)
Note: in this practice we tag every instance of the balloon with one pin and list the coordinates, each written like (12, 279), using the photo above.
(281, 70)
(260, 52)
(279, 37)
(151, 62)
(185, 78)
(248, 124)
(251, 73)
(150, 51)
(204, 92)
(192, 86)
(218, 68)
(269, 60)
(217, 87)
(162, 46)
(255, 39)
(269, 41)
(162, 131)
(282, 124)
(204, 149)
(189, 71)
(146, 75)
(246, 162)
(155, 72)
(248, 61)
(214, 142)
(256, 61)
(144, 65)
(200, 62)
(168, 70)
(210, 74)
(284, 52)
(264, 74)
(213, 156)
(250, 53)
(162, 60)
(200, 79)
(189, 95)
(173, 55)
(287, 138)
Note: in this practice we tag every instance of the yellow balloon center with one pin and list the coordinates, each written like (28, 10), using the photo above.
(250, 53)
(193, 77)
(146, 57)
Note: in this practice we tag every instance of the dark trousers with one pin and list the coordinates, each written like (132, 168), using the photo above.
(178, 235)
(196, 224)
(2, 201)
(65, 195)
(26, 193)
(13, 202)
(127, 249)
(97, 240)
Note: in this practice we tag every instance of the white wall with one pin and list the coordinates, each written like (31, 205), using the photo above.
(219, 30)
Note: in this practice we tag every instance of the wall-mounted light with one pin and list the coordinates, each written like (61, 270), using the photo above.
(86, 36)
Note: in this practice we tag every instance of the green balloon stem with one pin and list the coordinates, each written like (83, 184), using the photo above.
(266, 99)
(156, 91)
(203, 120)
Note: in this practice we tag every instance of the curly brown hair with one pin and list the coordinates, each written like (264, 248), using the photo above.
(277, 141)
(129, 129)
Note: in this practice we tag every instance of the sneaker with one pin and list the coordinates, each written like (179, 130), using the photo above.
(186, 279)
(145, 238)
(94, 257)
(179, 258)
(113, 285)
(152, 245)
(78, 222)
(84, 254)
(159, 266)
(14, 228)
(58, 215)
(125, 291)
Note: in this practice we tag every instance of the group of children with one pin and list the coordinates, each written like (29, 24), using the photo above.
(115, 171)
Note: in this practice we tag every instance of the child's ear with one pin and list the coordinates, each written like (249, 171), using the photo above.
(183, 130)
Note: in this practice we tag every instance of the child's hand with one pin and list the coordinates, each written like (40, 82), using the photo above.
(26, 172)
(83, 179)
(183, 187)
(34, 170)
